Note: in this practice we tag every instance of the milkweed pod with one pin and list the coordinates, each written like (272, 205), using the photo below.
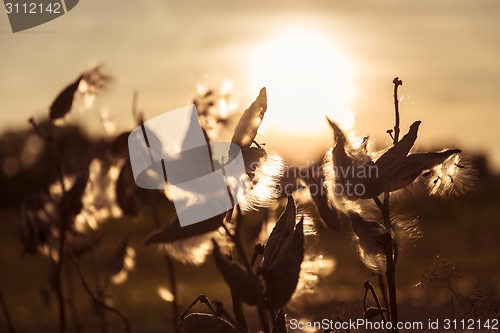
(64, 101)
(284, 272)
(249, 123)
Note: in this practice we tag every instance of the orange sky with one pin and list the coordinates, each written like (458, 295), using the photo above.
(446, 52)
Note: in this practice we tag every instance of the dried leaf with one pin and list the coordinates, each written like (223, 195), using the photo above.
(173, 231)
(125, 188)
(239, 280)
(403, 173)
(282, 232)
(119, 147)
(63, 102)
(206, 323)
(117, 259)
(249, 123)
(280, 323)
(371, 313)
(285, 270)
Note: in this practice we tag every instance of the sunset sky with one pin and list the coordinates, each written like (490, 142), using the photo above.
(316, 58)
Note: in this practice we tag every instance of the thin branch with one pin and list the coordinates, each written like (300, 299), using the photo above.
(168, 261)
(71, 303)
(369, 286)
(97, 300)
(390, 272)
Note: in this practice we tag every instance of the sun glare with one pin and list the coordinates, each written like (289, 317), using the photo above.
(306, 78)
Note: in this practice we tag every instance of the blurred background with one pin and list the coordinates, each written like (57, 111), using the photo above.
(334, 58)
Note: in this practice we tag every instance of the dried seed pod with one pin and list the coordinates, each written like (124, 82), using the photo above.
(239, 280)
(401, 149)
(206, 323)
(173, 231)
(369, 240)
(252, 157)
(282, 232)
(351, 171)
(64, 101)
(249, 123)
(283, 275)
(405, 171)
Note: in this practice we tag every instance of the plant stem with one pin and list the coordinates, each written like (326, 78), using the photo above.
(101, 290)
(397, 82)
(369, 286)
(57, 279)
(96, 299)
(241, 254)
(390, 272)
(50, 139)
(7, 314)
(71, 303)
(168, 263)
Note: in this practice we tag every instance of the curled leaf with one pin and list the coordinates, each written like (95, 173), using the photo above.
(64, 101)
(282, 232)
(285, 270)
(239, 280)
(173, 231)
(249, 123)
(206, 323)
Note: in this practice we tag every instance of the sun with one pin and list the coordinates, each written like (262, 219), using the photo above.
(307, 78)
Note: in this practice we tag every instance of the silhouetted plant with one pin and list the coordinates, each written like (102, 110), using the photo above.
(353, 185)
